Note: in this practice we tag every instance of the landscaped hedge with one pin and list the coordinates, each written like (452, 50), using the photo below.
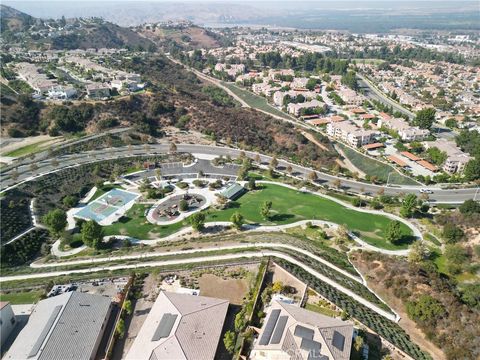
(340, 279)
(23, 250)
(387, 329)
(15, 217)
(52, 188)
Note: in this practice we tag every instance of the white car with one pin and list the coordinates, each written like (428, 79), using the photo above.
(426, 191)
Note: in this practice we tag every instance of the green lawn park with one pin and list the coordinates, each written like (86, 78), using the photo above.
(288, 206)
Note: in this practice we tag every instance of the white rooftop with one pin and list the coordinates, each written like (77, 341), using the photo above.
(180, 326)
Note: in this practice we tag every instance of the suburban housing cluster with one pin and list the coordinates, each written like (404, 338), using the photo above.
(343, 111)
(56, 75)
(180, 325)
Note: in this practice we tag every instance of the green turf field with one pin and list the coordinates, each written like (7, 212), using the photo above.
(288, 206)
(16, 298)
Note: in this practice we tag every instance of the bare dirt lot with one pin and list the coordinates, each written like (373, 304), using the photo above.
(232, 290)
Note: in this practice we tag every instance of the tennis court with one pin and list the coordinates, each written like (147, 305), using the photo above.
(115, 202)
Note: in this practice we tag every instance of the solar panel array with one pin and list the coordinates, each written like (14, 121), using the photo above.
(165, 326)
(338, 340)
(279, 329)
(303, 332)
(269, 326)
(311, 346)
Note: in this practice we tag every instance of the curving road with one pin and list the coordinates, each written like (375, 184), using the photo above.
(451, 196)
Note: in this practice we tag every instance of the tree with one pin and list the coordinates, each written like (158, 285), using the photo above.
(358, 344)
(470, 207)
(425, 309)
(265, 210)
(183, 205)
(54, 162)
(33, 167)
(342, 233)
(425, 118)
(127, 306)
(120, 328)
(350, 80)
(452, 233)
(258, 160)
(273, 163)
(409, 205)
(173, 147)
(393, 233)
(313, 176)
(239, 321)
(237, 220)
(471, 295)
(70, 201)
(289, 169)
(456, 258)
(56, 220)
(158, 173)
(337, 183)
(277, 287)
(252, 185)
(418, 252)
(229, 341)
(197, 221)
(92, 234)
(472, 170)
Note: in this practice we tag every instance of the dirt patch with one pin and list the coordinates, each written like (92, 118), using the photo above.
(233, 290)
(311, 138)
(283, 276)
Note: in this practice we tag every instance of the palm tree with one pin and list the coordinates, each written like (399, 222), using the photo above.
(173, 148)
(158, 174)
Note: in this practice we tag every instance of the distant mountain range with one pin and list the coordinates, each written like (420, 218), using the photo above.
(356, 16)
(71, 33)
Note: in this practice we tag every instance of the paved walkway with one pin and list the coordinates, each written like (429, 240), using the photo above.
(55, 250)
(202, 259)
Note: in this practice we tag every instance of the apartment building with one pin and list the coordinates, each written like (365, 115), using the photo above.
(274, 74)
(403, 128)
(296, 109)
(279, 96)
(98, 91)
(350, 133)
(351, 97)
(456, 158)
(232, 70)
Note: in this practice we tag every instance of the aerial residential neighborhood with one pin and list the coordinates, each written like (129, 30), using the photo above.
(217, 180)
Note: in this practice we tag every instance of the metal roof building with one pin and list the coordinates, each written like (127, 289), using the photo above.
(68, 326)
(291, 332)
(180, 326)
(233, 191)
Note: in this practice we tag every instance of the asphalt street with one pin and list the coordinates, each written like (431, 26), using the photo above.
(453, 196)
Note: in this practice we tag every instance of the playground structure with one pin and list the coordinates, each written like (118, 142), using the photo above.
(169, 209)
